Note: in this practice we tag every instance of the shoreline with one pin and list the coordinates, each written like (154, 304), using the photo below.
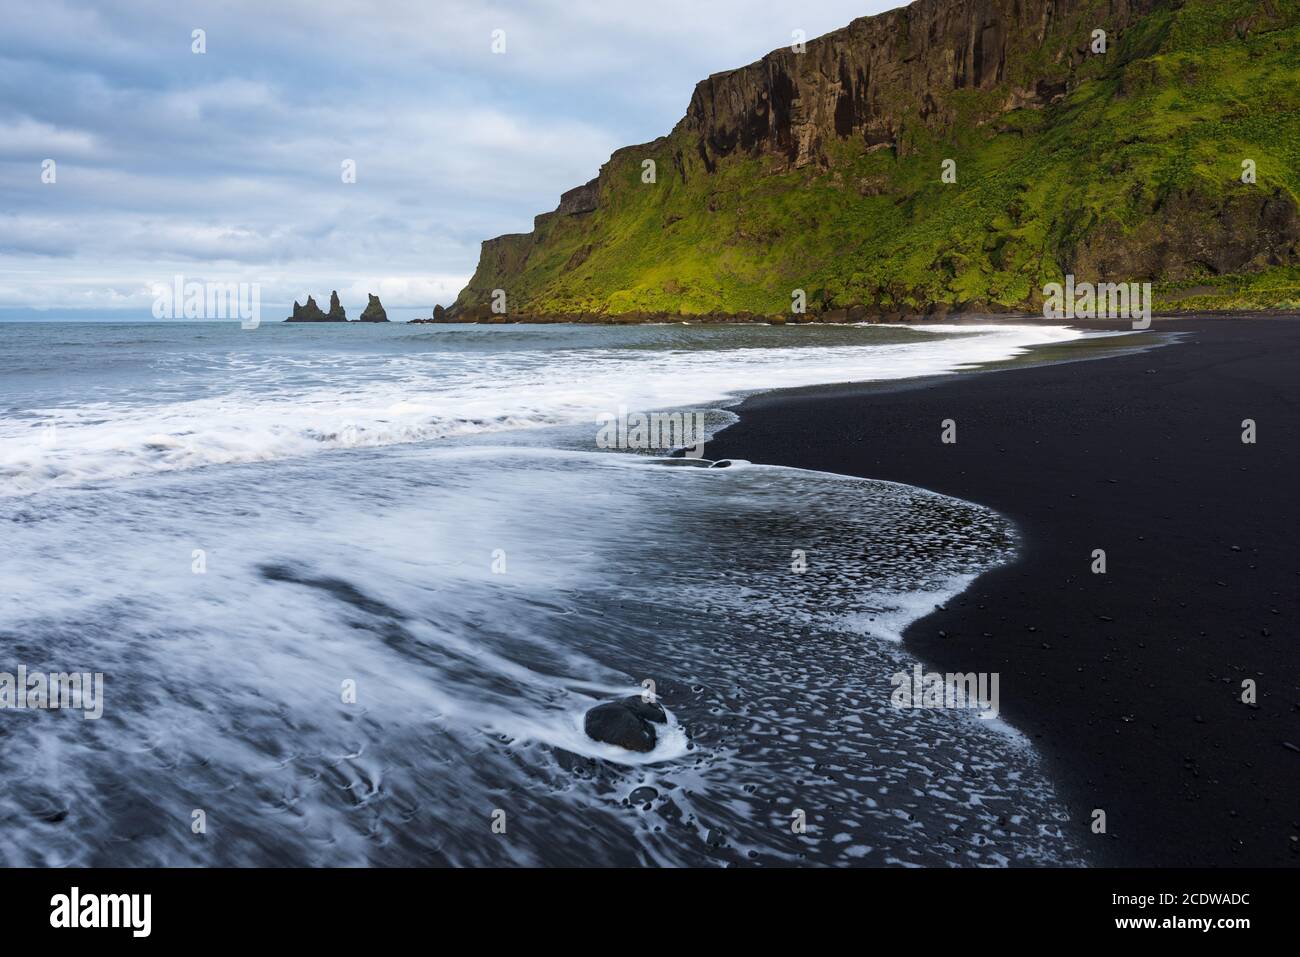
(1129, 683)
(837, 317)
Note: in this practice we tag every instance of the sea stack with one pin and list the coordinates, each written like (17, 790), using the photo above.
(308, 313)
(337, 313)
(374, 311)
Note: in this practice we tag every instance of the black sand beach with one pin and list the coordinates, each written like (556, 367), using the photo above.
(1129, 682)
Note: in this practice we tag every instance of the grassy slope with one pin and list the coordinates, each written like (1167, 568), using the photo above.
(1172, 108)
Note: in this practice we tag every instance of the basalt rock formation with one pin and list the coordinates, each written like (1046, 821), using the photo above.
(439, 315)
(337, 313)
(374, 311)
(311, 313)
(951, 154)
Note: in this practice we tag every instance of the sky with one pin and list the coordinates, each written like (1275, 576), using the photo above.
(228, 165)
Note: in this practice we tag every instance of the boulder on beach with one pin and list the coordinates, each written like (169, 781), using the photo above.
(374, 311)
(648, 710)
(628, 723)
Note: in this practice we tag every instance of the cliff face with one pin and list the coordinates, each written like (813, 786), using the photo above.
(878, 74)
(821, 168)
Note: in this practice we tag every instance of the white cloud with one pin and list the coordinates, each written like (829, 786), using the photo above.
(25, 137)
(229, 162)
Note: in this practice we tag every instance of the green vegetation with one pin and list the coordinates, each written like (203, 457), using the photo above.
(1125, 176)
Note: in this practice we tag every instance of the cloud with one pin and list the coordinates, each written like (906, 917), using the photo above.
(228, 163)
(24, 136)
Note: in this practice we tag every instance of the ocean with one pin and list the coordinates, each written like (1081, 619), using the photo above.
(353, 588)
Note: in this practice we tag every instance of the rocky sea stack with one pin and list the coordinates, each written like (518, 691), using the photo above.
(337, 313)
(312, 313)
(374, 311)
(948, 155)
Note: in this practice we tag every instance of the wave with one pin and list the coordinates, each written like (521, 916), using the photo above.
(256, 408)
(471, 679)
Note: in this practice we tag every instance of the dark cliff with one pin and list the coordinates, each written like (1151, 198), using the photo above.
(879, 74)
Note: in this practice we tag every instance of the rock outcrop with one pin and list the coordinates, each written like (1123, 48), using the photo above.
(337, 313)
(819, 167)
(872, 79)
(311, 313)
(439, 315)
(374, 311)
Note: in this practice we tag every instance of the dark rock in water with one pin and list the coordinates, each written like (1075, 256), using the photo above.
(374, 311)
(721, 464)
(648, 710)
(685, 463)
(309, 313)
(643, 795)
(439, 315)
(337, 313)
(615, 723)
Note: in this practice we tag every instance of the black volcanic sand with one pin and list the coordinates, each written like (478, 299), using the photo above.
(1129, 682)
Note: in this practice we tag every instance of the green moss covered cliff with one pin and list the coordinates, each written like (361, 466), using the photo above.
(821, 170)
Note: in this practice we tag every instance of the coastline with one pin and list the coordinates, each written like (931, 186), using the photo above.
(1129, 683)
(856, 315)
(607, 570)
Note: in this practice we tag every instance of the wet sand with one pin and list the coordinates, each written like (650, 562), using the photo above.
(1130, 682)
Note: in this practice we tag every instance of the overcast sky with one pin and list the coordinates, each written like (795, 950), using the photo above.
(227, 165)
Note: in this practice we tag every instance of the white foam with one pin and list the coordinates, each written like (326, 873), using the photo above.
(470, 683)
(381, 400)
(897, 610)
